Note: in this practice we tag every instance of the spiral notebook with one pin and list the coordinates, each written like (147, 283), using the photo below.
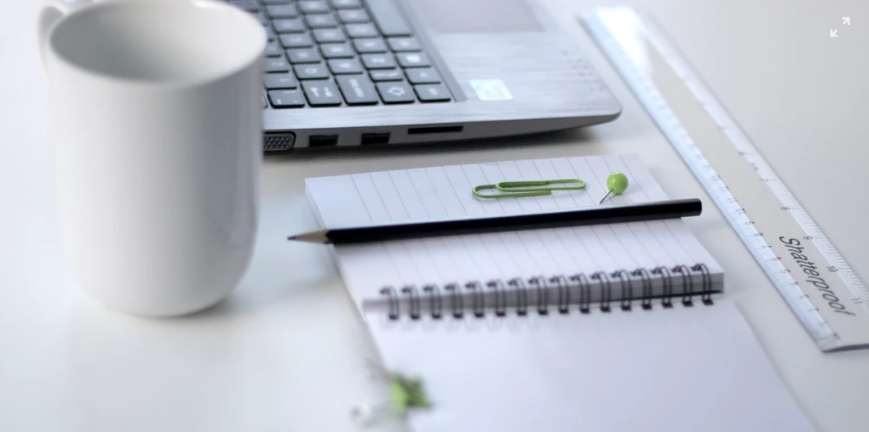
(544, 268)
(606, 328)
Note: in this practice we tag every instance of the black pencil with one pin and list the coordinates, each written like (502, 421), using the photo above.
(578, 217)
(586, 216)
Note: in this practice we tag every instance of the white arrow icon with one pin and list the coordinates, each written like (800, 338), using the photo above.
(833, 33)
(396, 91)
(846, 20)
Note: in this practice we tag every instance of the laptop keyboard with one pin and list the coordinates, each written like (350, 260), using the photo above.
(328, 53)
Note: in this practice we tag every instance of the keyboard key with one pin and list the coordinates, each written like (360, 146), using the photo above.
(357, 90)
(273, 50)
(346, 4)
(282, 11)
(388, 19)
(250, 5)
(386, 75)
(350, 16)
(378, 61)
(265, 101)
(329, 35)
(432, 93)
(423, 76)
(303, 55)
(361, 30)
(313, 7)
(403, 44)
(369, 45)
(322, 93)
(345, 66)
(275, 81)
(311, 71)
(292, 25)
(270, 33)
(296, 40)
(321, 21)
(277, 2)
(277, 65)
(410, 60)
(395, 92)
(337, 51)
(287, 98)
(261, 17)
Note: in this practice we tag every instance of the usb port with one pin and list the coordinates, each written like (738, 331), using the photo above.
(375, 138)
(322, 140)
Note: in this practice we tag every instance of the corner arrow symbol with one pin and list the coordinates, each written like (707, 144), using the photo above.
(833, 33)
(846, 20)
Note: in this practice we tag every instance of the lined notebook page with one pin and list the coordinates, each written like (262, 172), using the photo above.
(675, 370)
(445, 193)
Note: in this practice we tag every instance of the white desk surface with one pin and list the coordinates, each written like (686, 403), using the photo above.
(286, 351)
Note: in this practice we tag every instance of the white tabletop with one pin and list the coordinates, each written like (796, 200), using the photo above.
(286, 351)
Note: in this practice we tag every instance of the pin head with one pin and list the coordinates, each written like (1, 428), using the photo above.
(617, 182)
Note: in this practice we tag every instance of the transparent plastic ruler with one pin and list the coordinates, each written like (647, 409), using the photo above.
(805, 267)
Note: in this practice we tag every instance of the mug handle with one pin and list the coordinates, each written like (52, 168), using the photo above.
(50, 13)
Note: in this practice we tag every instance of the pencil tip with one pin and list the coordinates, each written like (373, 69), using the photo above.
(291, 238)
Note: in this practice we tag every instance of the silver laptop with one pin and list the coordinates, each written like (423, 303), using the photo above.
(344, 73)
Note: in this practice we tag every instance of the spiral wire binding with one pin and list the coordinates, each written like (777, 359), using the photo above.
(477, 299)
(563, 294)
(607, 290)
(542, 295)
(414, 301)
(434, 301)
(688, 291)
(455, 301)
(667, 278)
(543, 288)
(646, 297)
(706, 298)
(626, 288)
(522, 293)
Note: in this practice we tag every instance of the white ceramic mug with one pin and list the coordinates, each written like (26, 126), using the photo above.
(156, 123)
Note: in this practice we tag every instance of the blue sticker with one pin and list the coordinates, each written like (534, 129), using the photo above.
(491, 90)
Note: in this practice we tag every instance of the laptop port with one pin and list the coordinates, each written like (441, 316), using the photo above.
(278, 142)
(322, 140)
(435, 130)
(375, 138)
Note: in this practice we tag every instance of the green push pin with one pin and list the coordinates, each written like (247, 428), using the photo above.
(616, 183)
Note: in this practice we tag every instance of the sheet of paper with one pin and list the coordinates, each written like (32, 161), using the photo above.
(445, 193)
(675, 370)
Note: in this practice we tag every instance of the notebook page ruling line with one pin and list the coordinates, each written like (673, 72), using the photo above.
(475, 176)
(389, 196)
(338, 201)
(528, 171)
(493, 174)
(427, 194)
(409, 195)
(462, 186)
(528, 263)
(445, 192)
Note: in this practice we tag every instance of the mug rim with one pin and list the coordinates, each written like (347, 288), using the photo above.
(102, 6)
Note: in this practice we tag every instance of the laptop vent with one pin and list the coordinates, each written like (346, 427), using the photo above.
(279, 142)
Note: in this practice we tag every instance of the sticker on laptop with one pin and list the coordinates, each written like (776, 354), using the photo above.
(491, 90)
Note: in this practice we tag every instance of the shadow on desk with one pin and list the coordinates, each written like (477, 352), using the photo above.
(567, 136)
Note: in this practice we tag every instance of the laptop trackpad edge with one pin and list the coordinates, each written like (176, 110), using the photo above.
(475, 16)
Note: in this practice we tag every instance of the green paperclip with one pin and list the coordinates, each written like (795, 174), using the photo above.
(519, 189)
